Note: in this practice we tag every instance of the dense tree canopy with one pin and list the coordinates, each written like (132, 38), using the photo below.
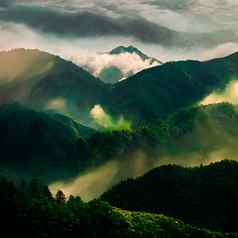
(29, 210)
(204, 196)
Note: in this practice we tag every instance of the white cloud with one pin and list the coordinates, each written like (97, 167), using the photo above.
(230, 95)
(104, 120)
(126, 62)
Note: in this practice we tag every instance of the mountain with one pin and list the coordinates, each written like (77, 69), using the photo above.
(159, 91)
(115, 70)
(191, 137)
(203, 196)
(40, 144)
(133, 50)
(32, 211)
(44, 81)
(41, 80)
(205, 129)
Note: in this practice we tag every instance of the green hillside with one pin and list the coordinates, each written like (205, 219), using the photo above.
(192, 136)
(39, 144)
(30, 211)
(159, 91)
(203, 196)
(44, 81)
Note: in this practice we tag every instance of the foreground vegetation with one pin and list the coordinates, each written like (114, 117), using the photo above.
(29, 210)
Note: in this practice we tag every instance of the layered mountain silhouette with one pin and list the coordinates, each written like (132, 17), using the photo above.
(193, 136)
(43, 81)
(156, 92)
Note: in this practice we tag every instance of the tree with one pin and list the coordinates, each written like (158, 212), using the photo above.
(60, 197)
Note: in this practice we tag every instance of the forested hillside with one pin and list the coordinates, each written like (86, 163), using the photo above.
(30, 211)
(204, 196)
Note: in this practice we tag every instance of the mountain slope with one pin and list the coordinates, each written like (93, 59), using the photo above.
(159, 91)
(202, 196)
(48, 82)
(188, 134)
(40, 80)
(204, 129)
(40, 144)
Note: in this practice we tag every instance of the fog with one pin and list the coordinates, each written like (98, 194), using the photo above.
(106, 121)
(229, 94)
(94, 182)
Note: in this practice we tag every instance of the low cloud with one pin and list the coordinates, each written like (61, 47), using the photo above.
(175, 5)
(230, 95)
(98, 180)
(105, 121)
(58, 104)
(126, 62)
(93, 183)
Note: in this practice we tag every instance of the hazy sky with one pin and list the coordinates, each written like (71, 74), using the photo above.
(166, 29)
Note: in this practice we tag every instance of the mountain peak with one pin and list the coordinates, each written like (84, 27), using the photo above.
(133, 50)
(124, 49)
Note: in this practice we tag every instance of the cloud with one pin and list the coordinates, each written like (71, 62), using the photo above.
(126, 62)
(219, 51)
(106, 121)
(57, 104)
(101, 117)
(94, 182)
(230, 95)
(83, 52)
(84, 24)
(6, 3)
(173, 4)
(89, 22)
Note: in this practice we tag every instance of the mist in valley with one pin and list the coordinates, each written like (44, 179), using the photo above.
(211, 140)
(94, 182)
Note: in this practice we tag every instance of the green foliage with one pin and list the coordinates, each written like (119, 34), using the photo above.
(40, 215)
(39, 144)
(159, 91)
(203, 196)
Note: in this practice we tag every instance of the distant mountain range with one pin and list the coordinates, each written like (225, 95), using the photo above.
(44, 81)
(168, 126)
(159, 91)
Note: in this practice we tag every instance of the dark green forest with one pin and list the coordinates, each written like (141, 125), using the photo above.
(30, 210)
(204, 196)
